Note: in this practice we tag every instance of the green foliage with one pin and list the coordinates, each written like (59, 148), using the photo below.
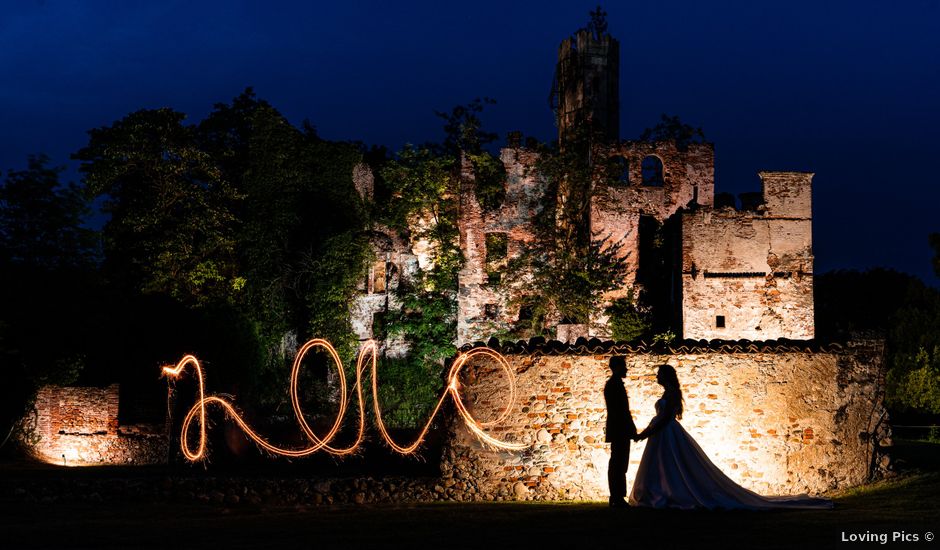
(300, 213)
(575, 283)
(671, 128)
(464, 135)
(172, 225)
(497, 248)
(666, 337)
(626, 321)
(424, 186)
(562, 274)
(424, 200)
(463, 129)
(245, 217)
(490, 182)
(901, 309)
(428, 322)
(914, 381)
(408, 390)
(328, 281)
(41, 220)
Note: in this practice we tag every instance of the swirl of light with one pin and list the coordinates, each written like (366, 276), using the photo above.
(367, 357)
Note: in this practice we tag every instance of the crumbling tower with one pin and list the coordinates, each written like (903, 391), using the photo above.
(586, 90)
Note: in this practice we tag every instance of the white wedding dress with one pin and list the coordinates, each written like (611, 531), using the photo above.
(675, 473)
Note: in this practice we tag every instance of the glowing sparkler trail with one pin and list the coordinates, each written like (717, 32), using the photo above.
(367, 358)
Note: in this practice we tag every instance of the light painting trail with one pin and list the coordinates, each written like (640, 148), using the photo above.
(367, 358)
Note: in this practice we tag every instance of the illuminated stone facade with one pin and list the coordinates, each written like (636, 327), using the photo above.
(749, 274)
(777, 419)
(482, 307)
(78, 426)
(730, 273)
(392, 260)
(781, 419)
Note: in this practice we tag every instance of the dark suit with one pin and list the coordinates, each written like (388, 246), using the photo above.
(620, 429)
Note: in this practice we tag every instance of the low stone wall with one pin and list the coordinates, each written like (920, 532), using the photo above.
(79, 426)
(778, 419)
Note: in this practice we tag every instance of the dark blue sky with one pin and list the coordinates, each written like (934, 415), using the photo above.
(850, 90)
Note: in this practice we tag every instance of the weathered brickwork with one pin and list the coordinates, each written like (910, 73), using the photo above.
(730, 274)
(587, 86)
(778, 421)
(79, 426)
(392, 261)
(363, 180)
(749, 274)
(481, 308)
(687, 178)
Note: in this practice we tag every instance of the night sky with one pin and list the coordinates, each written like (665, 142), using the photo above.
(849, 90)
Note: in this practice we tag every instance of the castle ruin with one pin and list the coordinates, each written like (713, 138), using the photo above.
(777, 411)
(732, 272)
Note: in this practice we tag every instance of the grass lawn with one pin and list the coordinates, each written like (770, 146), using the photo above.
(909, 503)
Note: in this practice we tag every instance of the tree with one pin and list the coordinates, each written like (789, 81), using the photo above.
(464, 137)
(671, 128)
(563, 273)
(46, 257)
(934, 240)
(424, 204)
(172, 226)
(463, 129)
(899, 308)
(41, 220)
(300, 240)
(626, 321)
(424, 182)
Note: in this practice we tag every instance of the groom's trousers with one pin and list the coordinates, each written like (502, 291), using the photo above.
(617, 468)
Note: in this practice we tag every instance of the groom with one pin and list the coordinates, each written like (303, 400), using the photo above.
(620, 429)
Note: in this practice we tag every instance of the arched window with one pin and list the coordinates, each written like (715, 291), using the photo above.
(652, 171)
(618, 170)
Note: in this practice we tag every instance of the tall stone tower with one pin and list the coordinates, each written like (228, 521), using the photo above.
(586, 91)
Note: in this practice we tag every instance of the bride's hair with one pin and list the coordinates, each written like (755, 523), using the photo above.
(671, 382)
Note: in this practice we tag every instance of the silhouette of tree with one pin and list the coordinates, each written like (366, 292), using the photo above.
(41, 220)
(47, 263)
(899, 308)
(934, 239)
(172, 224)
(671, 128)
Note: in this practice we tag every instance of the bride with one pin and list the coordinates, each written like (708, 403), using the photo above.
(675, 473)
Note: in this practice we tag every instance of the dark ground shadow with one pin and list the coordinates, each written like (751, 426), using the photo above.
(908, 504)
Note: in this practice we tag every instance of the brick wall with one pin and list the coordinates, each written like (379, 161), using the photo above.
(778, 420)
(78, 425)
(524, 192)
(688, 176)
(753, 268)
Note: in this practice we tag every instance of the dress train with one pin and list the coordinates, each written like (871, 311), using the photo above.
(674, 472)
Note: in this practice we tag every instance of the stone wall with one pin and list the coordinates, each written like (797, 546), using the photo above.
(392, 262)
(778, 419)
(688, 177)
(587, 86)
(481, 308)
(749, 273)
(79, 426)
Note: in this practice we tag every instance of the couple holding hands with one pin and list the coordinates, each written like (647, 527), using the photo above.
(674, 472)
